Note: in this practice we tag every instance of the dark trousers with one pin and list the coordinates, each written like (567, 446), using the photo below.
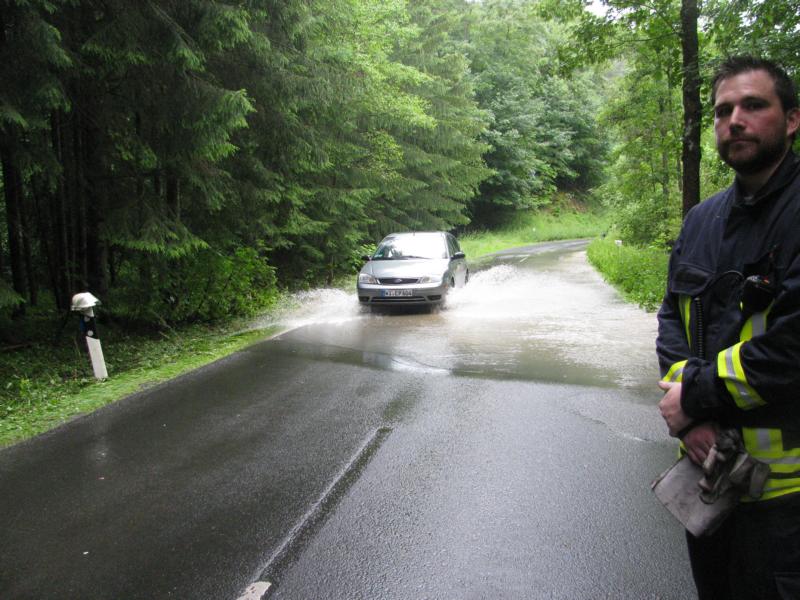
(755, 555)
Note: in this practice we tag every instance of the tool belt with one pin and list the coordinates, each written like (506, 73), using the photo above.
(701, 498)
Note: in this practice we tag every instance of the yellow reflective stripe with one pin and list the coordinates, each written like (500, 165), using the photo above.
(789, 486)
(685, 306)
(675, 372)
(729, 368)
(747, 330)
(755, 325)
(766, 445)
(775, 486)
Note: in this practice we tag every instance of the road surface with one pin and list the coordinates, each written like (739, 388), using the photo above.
(499, 448)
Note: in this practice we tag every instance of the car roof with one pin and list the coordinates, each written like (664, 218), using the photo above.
(415, 233)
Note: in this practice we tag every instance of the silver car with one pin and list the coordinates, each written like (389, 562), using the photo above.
(412, 269)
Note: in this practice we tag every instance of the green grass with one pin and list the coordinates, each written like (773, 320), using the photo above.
(640, 274)
(49, 382)
(530, 228)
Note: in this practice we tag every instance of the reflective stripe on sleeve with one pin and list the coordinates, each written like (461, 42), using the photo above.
(755, 325)
(685, 306)
(675, 373)
(729, 369)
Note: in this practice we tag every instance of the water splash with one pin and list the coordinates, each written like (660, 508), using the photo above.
(315, 307)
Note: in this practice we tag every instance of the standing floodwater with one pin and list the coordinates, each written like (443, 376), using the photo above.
(546, 316)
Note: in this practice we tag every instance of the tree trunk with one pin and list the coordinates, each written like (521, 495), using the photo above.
(2, 171)
(2, 252)
(96, 251)
(47, 240)
(174, 196)
(63, 277)
(12, 187)
(79, 204)
(692, 109)
(27, 256)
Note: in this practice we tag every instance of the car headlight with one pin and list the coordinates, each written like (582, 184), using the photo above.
(367, 278)
(431, 279)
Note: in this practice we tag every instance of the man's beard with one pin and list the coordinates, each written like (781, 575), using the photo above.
(768, 153)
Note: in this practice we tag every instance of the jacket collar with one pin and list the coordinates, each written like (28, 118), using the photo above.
(783, 176)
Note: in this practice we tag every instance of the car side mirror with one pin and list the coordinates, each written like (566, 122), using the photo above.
(458, 255)
(366, 258)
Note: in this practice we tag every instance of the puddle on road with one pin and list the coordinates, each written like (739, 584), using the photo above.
(560, 306)
(546, 317)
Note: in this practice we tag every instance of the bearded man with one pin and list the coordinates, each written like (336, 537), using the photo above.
(729, 332)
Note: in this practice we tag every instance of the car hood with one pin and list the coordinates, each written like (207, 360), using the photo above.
(405, 268)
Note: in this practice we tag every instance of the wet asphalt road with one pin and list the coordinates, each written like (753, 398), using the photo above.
(499, 448)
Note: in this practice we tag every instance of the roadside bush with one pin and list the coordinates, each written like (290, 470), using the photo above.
(638, 273)
(202, 287)
(642, 219)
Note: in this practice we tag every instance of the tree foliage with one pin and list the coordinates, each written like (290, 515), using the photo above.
(648, 52)
(543, 133)
(184, 159)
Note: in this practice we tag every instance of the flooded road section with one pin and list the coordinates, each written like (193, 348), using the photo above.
(537, 313)
(501, 447)
(516, 452)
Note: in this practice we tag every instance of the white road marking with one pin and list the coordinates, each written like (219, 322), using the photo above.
(256, 591)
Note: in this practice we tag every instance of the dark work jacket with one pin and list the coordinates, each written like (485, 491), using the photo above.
(741, 369)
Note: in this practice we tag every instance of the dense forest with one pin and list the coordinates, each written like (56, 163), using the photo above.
(183, 160)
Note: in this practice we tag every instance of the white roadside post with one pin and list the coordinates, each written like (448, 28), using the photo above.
(84, 304)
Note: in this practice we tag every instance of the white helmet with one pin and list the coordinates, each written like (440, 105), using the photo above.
(83, 301)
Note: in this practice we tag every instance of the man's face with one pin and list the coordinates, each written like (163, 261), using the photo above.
(751, 127)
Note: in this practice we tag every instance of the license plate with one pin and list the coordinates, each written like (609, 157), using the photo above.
(397, 293)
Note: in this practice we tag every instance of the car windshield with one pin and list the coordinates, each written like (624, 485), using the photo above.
(411, 246)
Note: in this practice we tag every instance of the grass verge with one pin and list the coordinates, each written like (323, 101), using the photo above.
(50, 382)
(639, 274)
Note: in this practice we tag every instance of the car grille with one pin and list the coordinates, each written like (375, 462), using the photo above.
(397, 280)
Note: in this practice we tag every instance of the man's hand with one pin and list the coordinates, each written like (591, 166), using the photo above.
(670, 407)
(698, 441)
